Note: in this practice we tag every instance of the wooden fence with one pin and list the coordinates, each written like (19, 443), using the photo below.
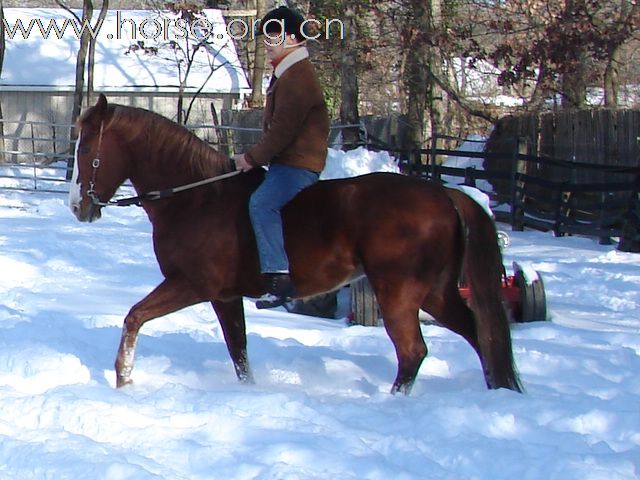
(535, 191)
(549, 194)
(600, 137)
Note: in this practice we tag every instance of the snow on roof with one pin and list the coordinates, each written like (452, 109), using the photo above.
(42, 44)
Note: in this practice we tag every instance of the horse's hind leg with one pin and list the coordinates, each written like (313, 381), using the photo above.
(171, 295)
(449, 310)
(399, 308)
(231, 318)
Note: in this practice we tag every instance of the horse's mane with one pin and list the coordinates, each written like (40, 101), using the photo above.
(164, 140)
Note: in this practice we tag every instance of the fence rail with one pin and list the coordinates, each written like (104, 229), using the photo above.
(528, 191)
(37, 156)
(32, 176)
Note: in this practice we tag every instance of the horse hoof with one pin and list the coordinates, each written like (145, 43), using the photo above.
(404, 388)
(246, 379)
(123, 382)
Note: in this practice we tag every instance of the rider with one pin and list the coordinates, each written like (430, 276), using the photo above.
(293, 146)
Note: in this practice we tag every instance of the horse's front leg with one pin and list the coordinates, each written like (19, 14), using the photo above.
(231, 317)
(170, 296)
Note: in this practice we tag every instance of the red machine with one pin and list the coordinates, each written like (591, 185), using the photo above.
(523, 296)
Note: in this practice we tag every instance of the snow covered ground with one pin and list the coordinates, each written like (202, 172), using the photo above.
(320, 407)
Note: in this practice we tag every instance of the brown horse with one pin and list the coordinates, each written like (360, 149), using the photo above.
(412, 239)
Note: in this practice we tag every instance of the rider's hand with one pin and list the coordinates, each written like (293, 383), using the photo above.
(241, 162)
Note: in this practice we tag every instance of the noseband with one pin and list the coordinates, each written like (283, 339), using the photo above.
(153, 195)
(95, 163)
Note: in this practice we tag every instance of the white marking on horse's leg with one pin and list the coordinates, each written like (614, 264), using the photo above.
(74, 186)
(125, 357)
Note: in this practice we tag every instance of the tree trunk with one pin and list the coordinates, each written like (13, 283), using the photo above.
(81, 60)
(424, 93)
(2, 47)
(416, 71)
(541, 89)
(574, 72)
(349, 114)
(435, 95)
(92, 49)
(574, 86)
(611, 82)
(259, 58)
(2, 36)
(629, 16)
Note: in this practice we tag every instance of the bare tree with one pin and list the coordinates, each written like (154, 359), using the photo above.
(85, 50)
(259, 58)
(547, 54)
(2, 49)
(349, 114)
(421, 64)
(625, 25)
(186, 51)
(558, 47)
(92, 50)
(2, 37)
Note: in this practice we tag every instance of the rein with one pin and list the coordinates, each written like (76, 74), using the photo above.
(150, 196)
(160, 194)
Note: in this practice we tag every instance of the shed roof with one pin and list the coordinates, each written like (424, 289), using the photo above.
(42, 44)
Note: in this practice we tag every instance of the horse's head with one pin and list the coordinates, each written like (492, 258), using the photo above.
(100, 164)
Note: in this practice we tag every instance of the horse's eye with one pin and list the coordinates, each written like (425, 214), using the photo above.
(84, 149)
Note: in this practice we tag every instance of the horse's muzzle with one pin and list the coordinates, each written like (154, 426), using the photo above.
(86, 211)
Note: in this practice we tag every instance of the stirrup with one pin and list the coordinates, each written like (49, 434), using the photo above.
(269, 300)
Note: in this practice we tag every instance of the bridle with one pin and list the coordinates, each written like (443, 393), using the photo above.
(95, 163)
(152, 195)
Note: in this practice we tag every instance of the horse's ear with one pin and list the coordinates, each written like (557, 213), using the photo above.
(96, 114)
(101, 105)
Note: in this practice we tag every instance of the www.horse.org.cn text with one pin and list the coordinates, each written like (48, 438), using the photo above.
(161, 28)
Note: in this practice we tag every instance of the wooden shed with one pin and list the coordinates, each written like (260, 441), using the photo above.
(134, 65)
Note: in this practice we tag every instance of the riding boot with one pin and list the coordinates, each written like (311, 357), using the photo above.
(279, 291)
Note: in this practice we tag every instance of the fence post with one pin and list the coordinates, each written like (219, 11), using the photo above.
(224, 136)
(517, 197)
(562, 208)
(630, 237)
(2, 145)
(470, 177)
(432, 157)
(33, 159)
(604, 239)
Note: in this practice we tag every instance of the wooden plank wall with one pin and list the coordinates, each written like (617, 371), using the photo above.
(600, 136)
(28, 115)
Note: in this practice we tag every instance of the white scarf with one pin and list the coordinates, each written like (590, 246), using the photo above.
(294, 57)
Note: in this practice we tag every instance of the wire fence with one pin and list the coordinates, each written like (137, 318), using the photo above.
(38, 156)
(35, 155)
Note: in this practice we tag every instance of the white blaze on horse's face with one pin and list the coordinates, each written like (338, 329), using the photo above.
(75, 196)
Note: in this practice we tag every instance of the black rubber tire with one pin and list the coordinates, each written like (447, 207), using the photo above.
(324, 305)
(533, 299)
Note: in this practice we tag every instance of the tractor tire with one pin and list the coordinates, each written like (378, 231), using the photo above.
(533, 299)
(324, 306)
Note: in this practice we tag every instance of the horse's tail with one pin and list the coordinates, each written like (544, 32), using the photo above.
(482, 267)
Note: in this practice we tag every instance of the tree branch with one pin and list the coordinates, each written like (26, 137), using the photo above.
(464, 104)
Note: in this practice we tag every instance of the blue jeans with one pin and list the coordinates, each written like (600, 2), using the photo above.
(281, 184)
